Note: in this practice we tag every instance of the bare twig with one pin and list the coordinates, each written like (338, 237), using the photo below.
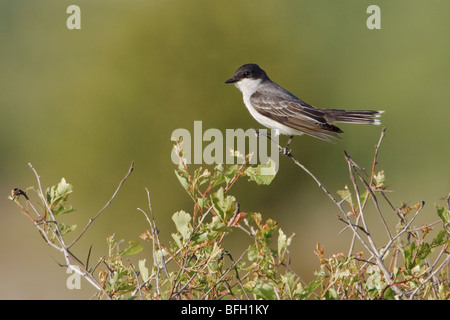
(405, 229)
(136, 277)
(447, 199)
(375, 156)
(155, 238)
(370, 244)
(105, 206)
(237, 275)
(337, 203)
(355, 225)
(413, 294)
(223, 276)
(53, 226)
(368, 187)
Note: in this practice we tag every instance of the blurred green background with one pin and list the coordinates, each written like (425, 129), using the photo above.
(82, 104)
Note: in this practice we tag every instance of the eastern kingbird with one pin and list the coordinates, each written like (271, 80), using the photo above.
(276, 108)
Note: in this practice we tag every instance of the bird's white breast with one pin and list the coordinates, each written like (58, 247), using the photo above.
(249, 87)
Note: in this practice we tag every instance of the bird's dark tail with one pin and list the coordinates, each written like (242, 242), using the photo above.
(353, 116)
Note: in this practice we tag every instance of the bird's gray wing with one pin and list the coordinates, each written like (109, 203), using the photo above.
(287, 109)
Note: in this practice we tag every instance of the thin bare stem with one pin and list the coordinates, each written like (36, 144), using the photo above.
(105, 206)
(405, 229)
(370, 246)
(223, 276)
(447, 260)
(353, 165)
(70, 258)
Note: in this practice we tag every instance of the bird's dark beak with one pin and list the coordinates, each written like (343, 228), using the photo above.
(231, 80)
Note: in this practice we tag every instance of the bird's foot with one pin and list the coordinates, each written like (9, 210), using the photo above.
(286, 151)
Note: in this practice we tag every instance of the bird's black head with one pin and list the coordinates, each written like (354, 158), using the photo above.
(248, 71)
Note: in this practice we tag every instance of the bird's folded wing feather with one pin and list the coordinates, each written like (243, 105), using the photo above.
(294, 113)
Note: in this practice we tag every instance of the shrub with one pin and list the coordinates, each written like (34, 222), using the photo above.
(196, 265)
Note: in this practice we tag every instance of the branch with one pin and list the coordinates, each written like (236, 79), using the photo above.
(155, 236)
(233, 266)
(370, 247)
(447, 260)
(68, 256)
(106, 205)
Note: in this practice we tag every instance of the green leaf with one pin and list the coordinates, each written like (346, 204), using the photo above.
(62, 210)
(379, 179)
(375, 283)
(215, 252)
(158, 257)
(262, 174)
(363, 196)
(183, 180)
(66, 228)
(345, 194)
(331, 294)
(63, 188)
(143, 269)
(444, 214)
(59, 192)
(199, 237)
(283, 243)
(203, 202)
(307, 291)
(218, 177)
(253, 253)
(134, 248)
(423, 252)
(229, 172)
(440, 239)
(219, 226)
(57, 196)
(389, 294)
(177, 239)
(224, 206)
(408, 255)
(183, 223)
(201, 177)
(268, 229)
(264, 290)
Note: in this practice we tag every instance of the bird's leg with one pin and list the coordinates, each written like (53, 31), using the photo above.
(286, 150)
(259, 133)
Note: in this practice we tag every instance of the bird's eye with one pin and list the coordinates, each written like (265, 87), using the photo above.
(246, 74)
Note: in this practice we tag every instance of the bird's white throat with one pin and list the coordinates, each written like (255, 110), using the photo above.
(248, 86)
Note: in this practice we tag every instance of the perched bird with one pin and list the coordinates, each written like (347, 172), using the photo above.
(276, 108)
